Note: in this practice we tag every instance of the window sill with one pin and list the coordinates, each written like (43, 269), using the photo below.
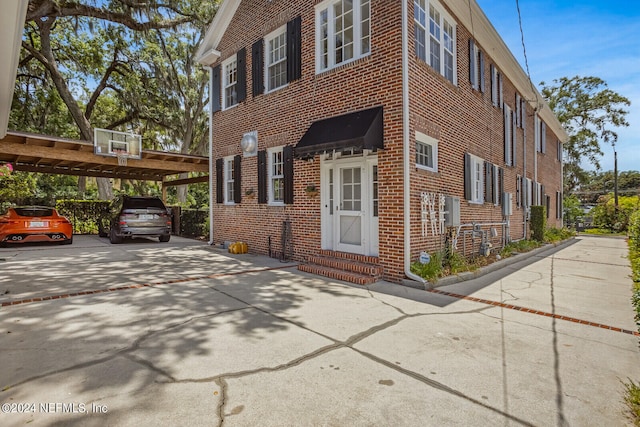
(426, 169)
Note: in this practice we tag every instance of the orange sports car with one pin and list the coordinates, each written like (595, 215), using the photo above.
(34, 224)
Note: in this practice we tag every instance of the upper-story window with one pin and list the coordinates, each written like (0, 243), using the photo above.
(230, 82)
(435, 37)
(276, 59)
(343, 32)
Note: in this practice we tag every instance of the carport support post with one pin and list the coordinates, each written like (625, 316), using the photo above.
(164, 191)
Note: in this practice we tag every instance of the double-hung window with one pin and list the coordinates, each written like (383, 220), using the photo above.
(230, 82)
(229, 180)
(276, 59)
(474, 178)
(276, 176)
(426, 152)
(435, 37)
(343, 32)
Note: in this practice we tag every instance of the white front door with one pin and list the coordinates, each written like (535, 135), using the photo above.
(350, 205)
(349, 221)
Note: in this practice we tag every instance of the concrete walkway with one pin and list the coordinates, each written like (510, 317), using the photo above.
(183, 334)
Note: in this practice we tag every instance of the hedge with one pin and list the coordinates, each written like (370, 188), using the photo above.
(83, 214)
(538, 222)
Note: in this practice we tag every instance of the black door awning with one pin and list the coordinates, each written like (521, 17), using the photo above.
(359, 130)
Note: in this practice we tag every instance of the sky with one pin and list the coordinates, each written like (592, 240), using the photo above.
(564, 38)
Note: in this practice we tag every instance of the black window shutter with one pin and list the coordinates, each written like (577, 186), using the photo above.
(518, 110)
(241, 59)
(262, 177)
(287, 154)
(481, 73)
(257, 67)
(472, 64)
(219, 180)
(294, 49)
(237, 179)
(514, 140)
(543, 137)
(215, 85)
(467, 176)
(518, 191)
(488, 182)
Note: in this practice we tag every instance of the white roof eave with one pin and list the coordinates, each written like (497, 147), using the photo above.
(473, 18)
(208, 52)
(12, 20)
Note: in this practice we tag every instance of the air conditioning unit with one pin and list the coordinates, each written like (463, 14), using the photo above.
(507, 204)
(452, 206)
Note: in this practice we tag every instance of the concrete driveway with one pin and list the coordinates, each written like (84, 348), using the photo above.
(183, 334)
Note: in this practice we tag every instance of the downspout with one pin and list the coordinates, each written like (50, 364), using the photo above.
(405, 144)
(211, 242)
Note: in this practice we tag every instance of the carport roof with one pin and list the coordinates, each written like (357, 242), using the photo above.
(47, 154)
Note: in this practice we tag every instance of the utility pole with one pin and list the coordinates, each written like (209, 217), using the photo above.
(615, 178)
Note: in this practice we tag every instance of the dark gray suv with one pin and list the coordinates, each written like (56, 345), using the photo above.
(139, 216)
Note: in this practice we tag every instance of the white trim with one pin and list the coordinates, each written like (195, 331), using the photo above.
(444, 16)
(223, 81)
(477, 179)
(270, 176)
(216, 30)
(331, 45)
(226, 180)
(424, 139)
(268, 38)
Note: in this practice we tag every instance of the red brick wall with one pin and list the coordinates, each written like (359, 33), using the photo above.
(465, 121)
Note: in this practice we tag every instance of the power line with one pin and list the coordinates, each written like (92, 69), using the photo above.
(526, 60)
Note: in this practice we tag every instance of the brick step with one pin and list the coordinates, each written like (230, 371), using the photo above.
(366, 259)
(347, 265)
(346, 276)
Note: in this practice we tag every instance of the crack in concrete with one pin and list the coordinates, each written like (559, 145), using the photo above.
(123, 352)
(440, 386)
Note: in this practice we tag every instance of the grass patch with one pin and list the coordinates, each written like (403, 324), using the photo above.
(632, 399)
(520, 246)
(602, 232)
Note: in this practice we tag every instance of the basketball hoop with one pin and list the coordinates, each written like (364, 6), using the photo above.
(122, 158)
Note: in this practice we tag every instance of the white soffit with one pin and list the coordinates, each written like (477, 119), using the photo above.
(11, 27)
(207, 53)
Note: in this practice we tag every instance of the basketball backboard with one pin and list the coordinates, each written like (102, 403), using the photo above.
(117, 144)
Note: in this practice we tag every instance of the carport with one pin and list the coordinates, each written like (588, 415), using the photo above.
(47, 154)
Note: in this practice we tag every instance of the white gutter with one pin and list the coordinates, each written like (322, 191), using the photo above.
(405, 148)
(211, 242)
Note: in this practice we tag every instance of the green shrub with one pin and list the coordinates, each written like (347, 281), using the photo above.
(194, 223)
(553, 235)
(605, 214)
(520, 246)
(430, 271)
(83, 214)
(632, 399)
(538, 222)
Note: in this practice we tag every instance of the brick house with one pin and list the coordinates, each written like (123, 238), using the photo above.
(373, 130)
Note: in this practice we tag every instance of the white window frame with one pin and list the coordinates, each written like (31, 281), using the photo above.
(477, 179)
(426, 140)
(271, 152)
(279, 33)
(446, 45)
(226, 83)
(361, 34)
(229, 180)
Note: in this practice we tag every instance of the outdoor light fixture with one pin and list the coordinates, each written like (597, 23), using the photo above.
(249, 144)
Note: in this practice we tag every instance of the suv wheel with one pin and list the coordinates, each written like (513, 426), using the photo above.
(165, 238)
(113, 238)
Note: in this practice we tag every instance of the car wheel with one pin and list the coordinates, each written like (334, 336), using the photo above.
(113, 238)
(165, 238)
(68, 241)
